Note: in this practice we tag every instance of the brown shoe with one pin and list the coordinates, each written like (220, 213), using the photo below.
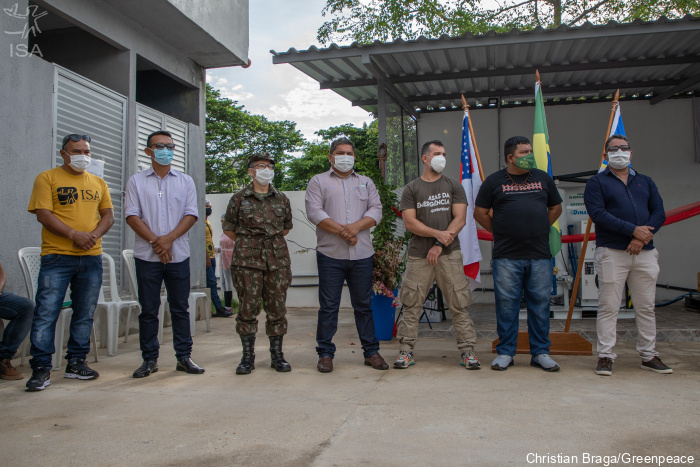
(377, 362)
(7, 371)
(325, 364)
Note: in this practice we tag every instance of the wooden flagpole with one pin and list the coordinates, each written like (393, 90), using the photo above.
(465, 106)
(572, 302)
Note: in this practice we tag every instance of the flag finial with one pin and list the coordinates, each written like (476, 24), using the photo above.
(617, 95)
(465, 106)
(537, 76)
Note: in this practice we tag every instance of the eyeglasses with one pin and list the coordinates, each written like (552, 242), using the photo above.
(75, 138)
(170, 146)
(263, 166)
(618, 148)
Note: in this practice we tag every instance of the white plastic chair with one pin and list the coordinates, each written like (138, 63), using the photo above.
(30, 262)
(128, 256)
(199, 302)
(109, 326)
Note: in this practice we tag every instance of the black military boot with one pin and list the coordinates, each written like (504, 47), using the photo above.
(277, 360)
(248, 359)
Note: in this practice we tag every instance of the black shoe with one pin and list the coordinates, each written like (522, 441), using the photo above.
(222, 313)
(39, 380)
(604, 367)
(247, 364)
(186, 364)
(146, 368)
(277, 360)
(78, 369)
(656, 365)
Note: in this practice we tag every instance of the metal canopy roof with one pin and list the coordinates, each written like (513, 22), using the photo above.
(645, 60)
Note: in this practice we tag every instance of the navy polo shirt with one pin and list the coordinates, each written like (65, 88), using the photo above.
(617, 209)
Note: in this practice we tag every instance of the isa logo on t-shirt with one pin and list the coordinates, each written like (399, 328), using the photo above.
(67, 195)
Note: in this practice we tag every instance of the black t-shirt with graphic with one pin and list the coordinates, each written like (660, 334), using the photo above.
(433, 204)
(520, 219)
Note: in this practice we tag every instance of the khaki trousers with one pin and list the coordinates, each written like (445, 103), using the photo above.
(614, 267)
(417, 280)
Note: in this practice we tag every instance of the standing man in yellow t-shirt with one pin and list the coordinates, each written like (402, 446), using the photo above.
(75, 210)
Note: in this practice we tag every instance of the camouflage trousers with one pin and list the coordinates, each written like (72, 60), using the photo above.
(254, 285)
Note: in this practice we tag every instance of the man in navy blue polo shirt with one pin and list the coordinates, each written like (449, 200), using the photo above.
(628, 211)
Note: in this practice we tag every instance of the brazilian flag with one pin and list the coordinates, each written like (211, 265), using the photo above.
(543, 160)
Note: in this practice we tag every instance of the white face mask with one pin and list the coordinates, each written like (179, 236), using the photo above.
(619, 160)
(264, 176)
(344, 163)
(79, 162)
(438, 163)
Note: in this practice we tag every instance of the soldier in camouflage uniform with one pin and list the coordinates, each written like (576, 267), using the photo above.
(257, 219)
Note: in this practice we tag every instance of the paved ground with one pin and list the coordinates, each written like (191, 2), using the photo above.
(434, 413)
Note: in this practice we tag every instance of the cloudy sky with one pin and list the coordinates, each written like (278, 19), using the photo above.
(281, 92)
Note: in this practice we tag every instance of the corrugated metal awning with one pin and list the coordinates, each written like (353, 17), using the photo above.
(646, 60)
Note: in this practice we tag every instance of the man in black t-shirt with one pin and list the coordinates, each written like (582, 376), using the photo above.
(525, 203)
(435, 210)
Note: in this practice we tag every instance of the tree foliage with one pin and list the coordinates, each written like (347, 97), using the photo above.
(233, 134)
(386, 20)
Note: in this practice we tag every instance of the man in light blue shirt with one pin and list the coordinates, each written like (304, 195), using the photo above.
(161, 207)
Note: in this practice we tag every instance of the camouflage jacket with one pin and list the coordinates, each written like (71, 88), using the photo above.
(259, 221)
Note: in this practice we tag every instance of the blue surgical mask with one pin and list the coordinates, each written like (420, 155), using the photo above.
(163, 156)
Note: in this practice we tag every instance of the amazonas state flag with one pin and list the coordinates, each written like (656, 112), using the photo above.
(471, 181)
(543, 160)
(617, 128)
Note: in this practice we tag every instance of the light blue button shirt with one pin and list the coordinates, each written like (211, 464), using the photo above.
(161, 204)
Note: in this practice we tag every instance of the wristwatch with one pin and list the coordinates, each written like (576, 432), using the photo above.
(437, 243)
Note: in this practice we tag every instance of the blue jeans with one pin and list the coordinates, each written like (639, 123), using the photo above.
(211, 283)
(19, 311)
(331, 275)
(510, 278)
(150, 276)
(84, 274)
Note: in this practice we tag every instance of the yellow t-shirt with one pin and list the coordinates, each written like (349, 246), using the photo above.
(76, 200)
(210, 241)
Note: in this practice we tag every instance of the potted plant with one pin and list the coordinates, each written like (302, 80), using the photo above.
(389, 262)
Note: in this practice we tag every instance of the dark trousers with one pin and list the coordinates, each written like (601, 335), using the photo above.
(19, 311)
(150, 277)
(331, 275)
(213, 286)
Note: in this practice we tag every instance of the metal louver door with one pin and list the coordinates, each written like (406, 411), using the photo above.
(148, 121)
(84, 107)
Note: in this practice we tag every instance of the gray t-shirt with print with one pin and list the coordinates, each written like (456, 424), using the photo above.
(433, 204)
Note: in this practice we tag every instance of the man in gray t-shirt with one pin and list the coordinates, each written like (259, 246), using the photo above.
(434, 209)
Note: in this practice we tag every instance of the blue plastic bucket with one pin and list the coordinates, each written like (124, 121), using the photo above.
(383, 314)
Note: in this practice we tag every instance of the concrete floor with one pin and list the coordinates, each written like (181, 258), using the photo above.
(434, 413)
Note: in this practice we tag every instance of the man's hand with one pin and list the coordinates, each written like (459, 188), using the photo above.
(208, 260)
(352, 241)
(433, 255)
(83, 240)
(443, 236)
(161, 244)
(643, 233)
(635, 247)
(165, 257)
(348, 231)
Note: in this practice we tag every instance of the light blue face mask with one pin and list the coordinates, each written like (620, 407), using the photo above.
(163, 156)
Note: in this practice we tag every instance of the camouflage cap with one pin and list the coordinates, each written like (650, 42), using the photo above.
(260, 156)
